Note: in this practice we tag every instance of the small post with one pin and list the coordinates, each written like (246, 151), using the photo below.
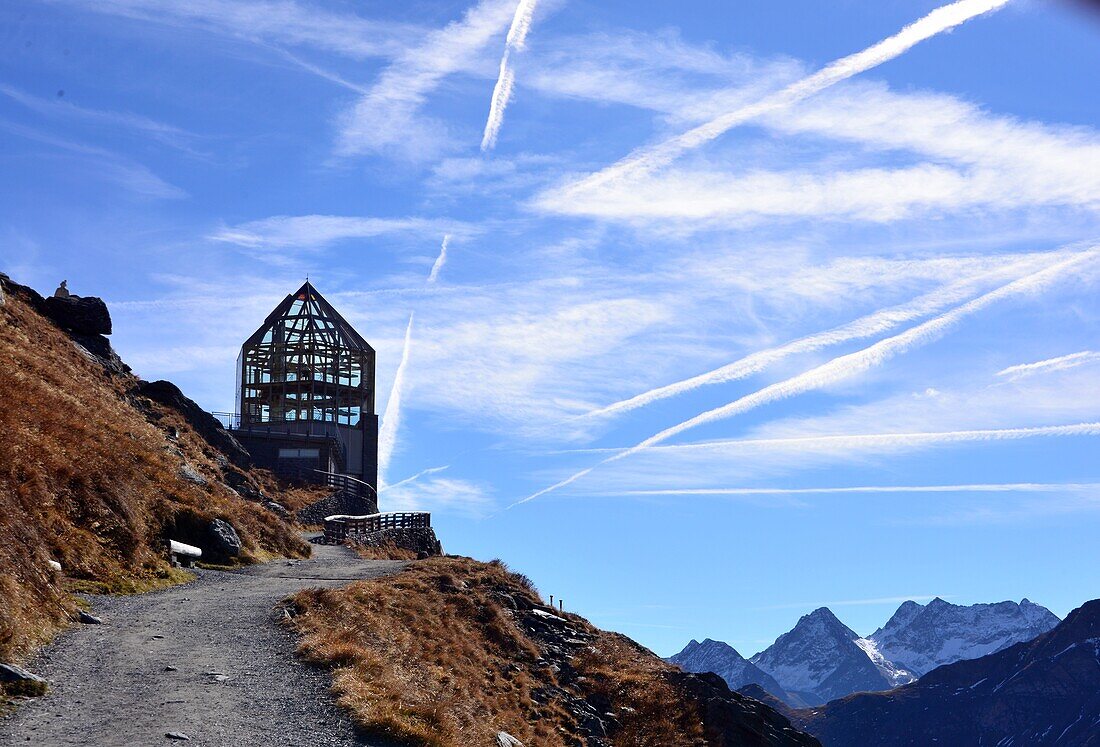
(561, 606)
(551, 601)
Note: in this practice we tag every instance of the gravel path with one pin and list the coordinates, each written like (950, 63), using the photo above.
(235, 682)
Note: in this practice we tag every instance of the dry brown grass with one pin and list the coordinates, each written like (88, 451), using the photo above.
(432, 658)
(86, 480)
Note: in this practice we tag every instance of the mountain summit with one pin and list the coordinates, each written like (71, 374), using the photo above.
(1043, 691)
(819, 660)
(724, 660)
(920, 638)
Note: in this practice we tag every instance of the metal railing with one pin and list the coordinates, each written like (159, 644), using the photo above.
(339, 528)
(232, 421)
(353, 486)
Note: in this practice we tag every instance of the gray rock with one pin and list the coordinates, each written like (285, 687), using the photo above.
(189, 473)
(178, 735)
(504, 739)
(88, 618)
(18, 681)
(224, 539)
(277, 508)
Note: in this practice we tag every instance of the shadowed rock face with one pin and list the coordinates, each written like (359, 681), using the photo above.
(207, 426)
(1043, 691)
(80, 315)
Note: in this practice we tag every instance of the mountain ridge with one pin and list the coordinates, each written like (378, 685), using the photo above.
(1042, 691)
(821, 659)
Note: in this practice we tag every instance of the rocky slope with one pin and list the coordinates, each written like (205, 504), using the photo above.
(454, 652)
(96, 473)
(820, 659)
(920, 638)
(1044, 691)
(722, 659)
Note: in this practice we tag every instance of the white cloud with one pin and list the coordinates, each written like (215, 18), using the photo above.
(852, 364)
(391, 420)
(502, 91)
(388, 119)
(440, 495)
(282, 231)
(1060, 363)
(870, 325)
(280, 21)
(437, 267)
(647, 159)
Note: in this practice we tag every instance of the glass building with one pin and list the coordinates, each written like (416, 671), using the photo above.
(305, 392)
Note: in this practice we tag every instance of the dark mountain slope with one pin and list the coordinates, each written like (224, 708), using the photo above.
(1044, 691)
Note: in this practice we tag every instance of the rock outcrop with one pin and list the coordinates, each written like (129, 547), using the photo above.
(205, 424)
(79, 315)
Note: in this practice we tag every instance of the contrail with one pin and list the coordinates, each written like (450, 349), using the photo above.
(1054, 364)
(881, 440)
(440, 260)
(391, 420)
(867, 326)
(646, 159)
(414, 478)
(1007, 487)
(502, 92)
(846, 366)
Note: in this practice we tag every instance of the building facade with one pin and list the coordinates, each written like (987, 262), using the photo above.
(305, 393)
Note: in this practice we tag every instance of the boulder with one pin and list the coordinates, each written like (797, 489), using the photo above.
(18, 681)
(504, 739)
(205, 424)
(192, 475)
(224, 541)
(88, 618)
(80, 315)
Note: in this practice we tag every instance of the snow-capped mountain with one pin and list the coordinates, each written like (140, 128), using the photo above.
(821, 659)
(1045, 691)
(723, 659)
(920, 638)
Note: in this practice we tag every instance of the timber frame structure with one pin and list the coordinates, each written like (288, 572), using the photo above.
(306, 392)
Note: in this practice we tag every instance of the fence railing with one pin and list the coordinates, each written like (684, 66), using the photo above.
(353, 486)
(339, 527)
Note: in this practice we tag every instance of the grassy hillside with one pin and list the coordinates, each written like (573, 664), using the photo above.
(452, 651)
(88, 479)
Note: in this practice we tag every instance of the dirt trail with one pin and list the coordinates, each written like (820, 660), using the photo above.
(235, 682)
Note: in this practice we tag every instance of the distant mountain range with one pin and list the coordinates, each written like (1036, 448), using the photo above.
(822, 659)
(1041, 692)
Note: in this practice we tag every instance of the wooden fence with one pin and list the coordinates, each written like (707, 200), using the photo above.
(338, 528)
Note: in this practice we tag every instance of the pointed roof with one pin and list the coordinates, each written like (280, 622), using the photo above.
(315, 316)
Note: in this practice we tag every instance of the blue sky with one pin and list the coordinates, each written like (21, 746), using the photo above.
(837, 294)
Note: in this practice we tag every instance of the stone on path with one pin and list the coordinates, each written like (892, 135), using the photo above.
(88, 618)
(18, 681)
(178, 735)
